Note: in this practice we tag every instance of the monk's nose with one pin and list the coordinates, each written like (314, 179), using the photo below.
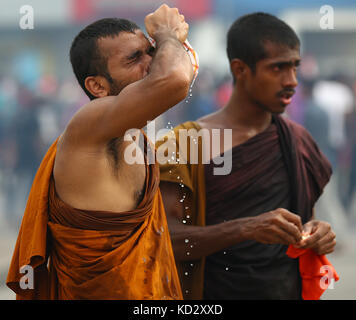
(290, 80)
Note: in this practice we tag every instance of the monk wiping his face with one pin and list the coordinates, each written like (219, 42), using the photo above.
(94, 225)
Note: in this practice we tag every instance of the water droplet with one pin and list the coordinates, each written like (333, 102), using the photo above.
(188, 216)
(181, 200)
(191, 246)
(192, 265)
(188, 253)
(178, 177)
(170, 171)
(184, 221)
(186, 240)
(186, 291)
(185, 273)
(186, 208)
(227, 268)
(224, 252)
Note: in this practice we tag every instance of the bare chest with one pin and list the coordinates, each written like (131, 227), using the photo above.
(103, 181)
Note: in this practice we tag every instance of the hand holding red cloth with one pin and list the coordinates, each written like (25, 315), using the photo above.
(315, 270)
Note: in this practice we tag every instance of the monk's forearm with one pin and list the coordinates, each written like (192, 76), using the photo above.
(195, 242)
(171, 59)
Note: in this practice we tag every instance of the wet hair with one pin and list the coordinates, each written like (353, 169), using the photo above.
(85, 55)
(247, 35)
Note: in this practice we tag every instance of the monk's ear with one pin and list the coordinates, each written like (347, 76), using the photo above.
(98, 86)
(239, 69)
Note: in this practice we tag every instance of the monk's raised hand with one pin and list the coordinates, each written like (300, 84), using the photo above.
(166, 20)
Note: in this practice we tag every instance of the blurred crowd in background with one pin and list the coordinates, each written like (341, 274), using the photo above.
(39, 94)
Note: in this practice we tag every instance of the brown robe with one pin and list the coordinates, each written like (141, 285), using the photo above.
(307, 172)
(79, 254)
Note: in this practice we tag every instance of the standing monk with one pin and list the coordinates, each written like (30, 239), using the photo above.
(94, 225)
(230, 232)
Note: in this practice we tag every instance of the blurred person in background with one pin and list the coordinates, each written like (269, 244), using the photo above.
(335, 97)
(230, 233)
(107, 232)
(350, 123)
(316, 119)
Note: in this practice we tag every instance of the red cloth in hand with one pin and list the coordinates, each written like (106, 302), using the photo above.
(315, 270)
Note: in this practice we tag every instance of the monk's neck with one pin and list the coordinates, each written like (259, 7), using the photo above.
(242, 112)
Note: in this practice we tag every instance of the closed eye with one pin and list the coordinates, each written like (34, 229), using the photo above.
(137, 54)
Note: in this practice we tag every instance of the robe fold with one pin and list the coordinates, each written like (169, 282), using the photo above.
(82, 254)
(280, 167)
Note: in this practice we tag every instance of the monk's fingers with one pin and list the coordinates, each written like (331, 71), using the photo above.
(325, 248)
(320, 231)
(289, 228)
(308, 228)
(325, 244)
(291, 217)
(283, 236)
(328, 249)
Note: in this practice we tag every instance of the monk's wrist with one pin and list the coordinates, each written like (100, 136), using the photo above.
(246, 228)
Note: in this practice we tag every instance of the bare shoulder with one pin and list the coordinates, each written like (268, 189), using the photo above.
(83, 130)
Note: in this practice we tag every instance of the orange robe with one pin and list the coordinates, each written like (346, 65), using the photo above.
(78, 254)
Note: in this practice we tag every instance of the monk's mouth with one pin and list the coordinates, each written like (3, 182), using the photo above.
(286, 97)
